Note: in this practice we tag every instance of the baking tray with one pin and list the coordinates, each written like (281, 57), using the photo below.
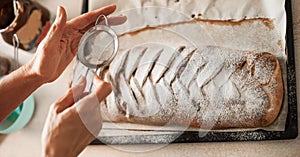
(291, 126)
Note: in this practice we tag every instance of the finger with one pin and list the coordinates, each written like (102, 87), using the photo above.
(89, 112)
(57, 29)
(91, 103)
(79, 88)
(112, 21)
(86, 19)
(71, 96)
(115, 20)
(103, 89)
(89, 109)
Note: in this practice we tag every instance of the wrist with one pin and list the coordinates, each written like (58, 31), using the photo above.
(31, 73)
(52, 152)
(52, 147)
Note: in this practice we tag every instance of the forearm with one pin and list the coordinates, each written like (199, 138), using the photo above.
(16, 87)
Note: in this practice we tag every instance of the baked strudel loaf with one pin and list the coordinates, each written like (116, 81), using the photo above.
(211, 87)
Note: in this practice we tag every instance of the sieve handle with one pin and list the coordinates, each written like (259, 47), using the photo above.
(16, 43)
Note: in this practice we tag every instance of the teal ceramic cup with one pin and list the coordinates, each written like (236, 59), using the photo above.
(19, 117)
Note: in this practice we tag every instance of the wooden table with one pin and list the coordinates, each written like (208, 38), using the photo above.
(27, 141)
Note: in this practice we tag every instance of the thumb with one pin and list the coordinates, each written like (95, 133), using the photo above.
(56, 31)
(71, 96)
(103, 89)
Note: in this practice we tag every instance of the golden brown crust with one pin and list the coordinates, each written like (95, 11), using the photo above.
(275, 96)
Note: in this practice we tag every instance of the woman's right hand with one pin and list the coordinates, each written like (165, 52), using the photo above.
(70, 125)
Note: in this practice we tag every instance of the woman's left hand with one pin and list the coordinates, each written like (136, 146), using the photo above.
(60, 45)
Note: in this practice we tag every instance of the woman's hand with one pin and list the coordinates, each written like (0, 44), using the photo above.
(53, 55)
(60, 45)
(71, 126)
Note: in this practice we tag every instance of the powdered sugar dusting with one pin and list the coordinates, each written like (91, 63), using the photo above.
(229, 89)
(264, 68)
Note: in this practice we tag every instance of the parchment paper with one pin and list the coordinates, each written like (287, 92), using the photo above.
(175, 24)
